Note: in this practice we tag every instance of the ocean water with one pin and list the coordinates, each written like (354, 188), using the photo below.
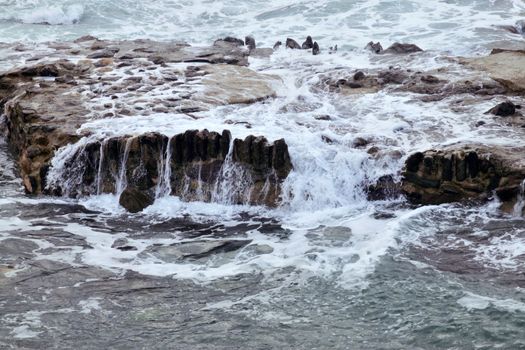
(328, 269)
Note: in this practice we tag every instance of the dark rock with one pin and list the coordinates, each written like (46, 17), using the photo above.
(374, 47)
(398, 48)
(429, 79)
(503, 109)
(315, 49)
(277, 45)
(235, 41)
(463, 173)
(322, 117)
(308, 44)
(292, 44)
(360, 142)
(196, 164)
(353, 85)
(250, 42)
(135, 200)
(392, 76)
(327, 139)
(385, 188)
(359, 75)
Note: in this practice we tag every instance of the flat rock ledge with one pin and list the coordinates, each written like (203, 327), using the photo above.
(465, 172)
(194, 165)
(46, 100)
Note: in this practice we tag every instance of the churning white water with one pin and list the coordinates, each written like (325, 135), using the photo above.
(327, 229)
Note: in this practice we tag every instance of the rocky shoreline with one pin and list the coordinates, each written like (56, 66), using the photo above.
(47, 99)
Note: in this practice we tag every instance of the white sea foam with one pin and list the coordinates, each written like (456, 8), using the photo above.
(326, 186)
(53, 15)
(473, 301)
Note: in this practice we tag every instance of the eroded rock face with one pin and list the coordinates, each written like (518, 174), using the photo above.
(463, 173)
(195, 165)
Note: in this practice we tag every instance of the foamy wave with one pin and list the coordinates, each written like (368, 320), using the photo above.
(53, 15)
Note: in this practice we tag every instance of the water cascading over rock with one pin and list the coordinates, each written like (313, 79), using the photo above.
(195, 165)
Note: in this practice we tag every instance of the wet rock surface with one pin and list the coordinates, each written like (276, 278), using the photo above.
(430, 87)
(135, 200)
(504, 66)
(504, 109)
(47, 101)
(461, 173)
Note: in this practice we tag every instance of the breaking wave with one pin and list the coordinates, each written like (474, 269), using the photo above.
(52, 15)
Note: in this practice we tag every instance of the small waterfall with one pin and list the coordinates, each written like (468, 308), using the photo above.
(122, 180)
(68, 168)
(520, 201)
(199, 191)
(163, 188)
(100, 165)
(232, 182)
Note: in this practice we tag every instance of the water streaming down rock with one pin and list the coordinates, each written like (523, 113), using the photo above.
(122, 179)
(164, 185)
(520, 201)
(194, 165)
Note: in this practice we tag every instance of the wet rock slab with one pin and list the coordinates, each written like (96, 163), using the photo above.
(50, 97)
(504, 66)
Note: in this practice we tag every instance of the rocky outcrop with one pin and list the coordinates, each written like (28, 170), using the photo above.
(463, 173)
(504, 66)
(428, 86)
(195, 165)
(399, 48)
(47, 100)
(292, 44)
(386, 187)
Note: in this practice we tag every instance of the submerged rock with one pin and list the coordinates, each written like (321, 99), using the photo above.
(195, 250)
(462, 173)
